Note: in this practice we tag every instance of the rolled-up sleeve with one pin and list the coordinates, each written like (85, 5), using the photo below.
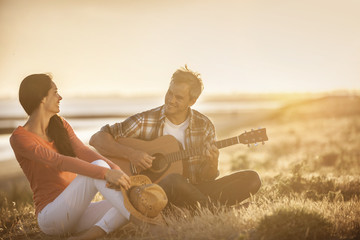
(113, 130)
(131, 127)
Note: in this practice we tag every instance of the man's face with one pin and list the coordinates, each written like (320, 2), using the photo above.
(177, 99)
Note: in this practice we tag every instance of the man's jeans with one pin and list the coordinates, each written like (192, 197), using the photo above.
(227, 190)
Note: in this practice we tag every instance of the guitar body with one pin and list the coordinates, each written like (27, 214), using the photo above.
(167, 153)
(158, 148)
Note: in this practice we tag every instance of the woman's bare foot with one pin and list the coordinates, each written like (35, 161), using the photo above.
(91, 234)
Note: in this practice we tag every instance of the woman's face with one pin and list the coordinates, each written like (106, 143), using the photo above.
(52, 100)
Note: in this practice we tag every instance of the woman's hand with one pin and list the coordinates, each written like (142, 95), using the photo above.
(116, 178)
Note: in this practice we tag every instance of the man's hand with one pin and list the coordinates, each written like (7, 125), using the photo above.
(141, 159)
(116, 178)
(210, 170)
(212, 152)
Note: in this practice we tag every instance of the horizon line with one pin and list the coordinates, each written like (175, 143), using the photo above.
(346, 92)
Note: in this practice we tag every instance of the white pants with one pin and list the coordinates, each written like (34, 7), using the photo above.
(72, 211)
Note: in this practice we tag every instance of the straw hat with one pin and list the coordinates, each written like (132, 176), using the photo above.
(145, 200)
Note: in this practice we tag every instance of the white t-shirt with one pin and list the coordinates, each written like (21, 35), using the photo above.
(177, 131)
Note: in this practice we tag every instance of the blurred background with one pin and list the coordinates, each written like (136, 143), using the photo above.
(291, 66)
(97, 48)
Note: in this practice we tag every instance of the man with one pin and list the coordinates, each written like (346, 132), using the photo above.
(191, 129)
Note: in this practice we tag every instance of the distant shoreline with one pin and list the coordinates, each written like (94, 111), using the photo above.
(5, 129)
(7, 123)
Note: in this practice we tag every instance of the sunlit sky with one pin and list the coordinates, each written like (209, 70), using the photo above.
(133, 47)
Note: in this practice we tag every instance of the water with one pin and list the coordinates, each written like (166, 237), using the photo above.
(90, 114)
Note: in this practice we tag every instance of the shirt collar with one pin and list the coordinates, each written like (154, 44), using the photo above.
(162, 113)
(162, 116)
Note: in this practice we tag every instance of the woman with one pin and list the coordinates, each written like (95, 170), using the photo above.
(64, 174)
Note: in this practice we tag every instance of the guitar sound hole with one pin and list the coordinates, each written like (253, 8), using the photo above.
(159, 162)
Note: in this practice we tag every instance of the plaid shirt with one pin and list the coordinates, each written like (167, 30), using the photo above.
(149, 125)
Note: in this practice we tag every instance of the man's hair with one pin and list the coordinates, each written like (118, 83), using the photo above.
(185, 75)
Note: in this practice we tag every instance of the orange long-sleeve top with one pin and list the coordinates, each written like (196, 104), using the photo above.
(50, 172)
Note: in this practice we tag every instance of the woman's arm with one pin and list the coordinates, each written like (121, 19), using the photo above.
(29, 148)
(84, 152)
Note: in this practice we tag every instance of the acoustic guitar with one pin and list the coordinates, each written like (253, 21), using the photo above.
(168, 153)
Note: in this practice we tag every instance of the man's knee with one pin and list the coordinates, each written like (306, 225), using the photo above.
(255, 181)
(252, 179)
(172, 180)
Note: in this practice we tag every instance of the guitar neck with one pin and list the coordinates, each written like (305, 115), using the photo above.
(227, 142)
(183, 154)
(253, 136)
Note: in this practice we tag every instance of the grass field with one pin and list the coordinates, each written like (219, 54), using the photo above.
(310, 172)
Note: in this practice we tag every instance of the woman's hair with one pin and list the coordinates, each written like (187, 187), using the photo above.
(32, 91)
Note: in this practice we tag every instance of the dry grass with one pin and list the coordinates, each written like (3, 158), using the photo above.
(310, 172)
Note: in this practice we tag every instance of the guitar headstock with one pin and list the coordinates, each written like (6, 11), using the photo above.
(253, 136)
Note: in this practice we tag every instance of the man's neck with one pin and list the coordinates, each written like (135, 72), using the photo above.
(178, 118)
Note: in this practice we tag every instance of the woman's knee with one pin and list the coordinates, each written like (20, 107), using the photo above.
(54, 226)
(101, 163)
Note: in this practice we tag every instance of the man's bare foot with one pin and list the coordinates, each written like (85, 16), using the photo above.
(91, 234)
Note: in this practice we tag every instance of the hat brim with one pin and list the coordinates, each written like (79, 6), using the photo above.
(140, 180)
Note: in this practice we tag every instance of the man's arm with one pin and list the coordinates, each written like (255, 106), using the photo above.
(106, 145)
(212, 166)
(209, 169)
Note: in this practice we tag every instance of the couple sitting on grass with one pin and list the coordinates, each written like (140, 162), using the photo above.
(65, 174)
